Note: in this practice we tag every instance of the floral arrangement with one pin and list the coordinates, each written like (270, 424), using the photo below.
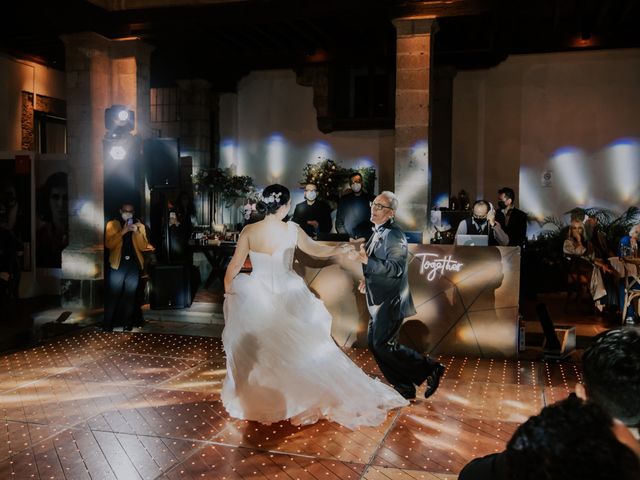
(220, 182)
(331, 178)
(209, 179)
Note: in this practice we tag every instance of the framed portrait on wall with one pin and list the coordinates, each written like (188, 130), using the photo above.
(15, 208)
(52, 212)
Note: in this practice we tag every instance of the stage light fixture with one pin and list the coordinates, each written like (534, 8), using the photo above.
(119, 120)
(117, 152)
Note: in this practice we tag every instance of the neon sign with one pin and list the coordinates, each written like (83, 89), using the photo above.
(432, 265)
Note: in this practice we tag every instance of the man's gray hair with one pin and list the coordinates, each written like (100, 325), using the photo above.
(393, 200)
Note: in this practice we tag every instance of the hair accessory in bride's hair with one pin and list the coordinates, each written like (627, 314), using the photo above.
(274, 197)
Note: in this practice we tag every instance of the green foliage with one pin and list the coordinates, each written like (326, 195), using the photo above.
(229, 187)
(331, 178)
(326, 175)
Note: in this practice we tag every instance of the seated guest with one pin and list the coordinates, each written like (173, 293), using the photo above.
(578, 246)
(483, 222)
(611, 375)
(628, 250)
(569, 440)
(353, 214)
(313, 215)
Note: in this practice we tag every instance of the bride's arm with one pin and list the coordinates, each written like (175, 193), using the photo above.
(239, 256)
(313, 248)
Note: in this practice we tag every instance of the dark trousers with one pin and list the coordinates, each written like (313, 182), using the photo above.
(402, 366)
(121, 293)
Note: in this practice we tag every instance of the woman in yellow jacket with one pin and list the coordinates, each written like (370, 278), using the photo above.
(125, 238)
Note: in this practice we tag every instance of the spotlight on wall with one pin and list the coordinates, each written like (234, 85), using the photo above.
(118, 120)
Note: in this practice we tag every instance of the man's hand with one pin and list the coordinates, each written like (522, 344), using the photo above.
(313, 223)
(362, 287)
(5, 276)
(491, 217)
(361, 255)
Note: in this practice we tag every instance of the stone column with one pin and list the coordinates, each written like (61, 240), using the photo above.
(100, 73)
(413, 68)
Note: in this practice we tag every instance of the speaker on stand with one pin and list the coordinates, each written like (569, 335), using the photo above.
(170, 286)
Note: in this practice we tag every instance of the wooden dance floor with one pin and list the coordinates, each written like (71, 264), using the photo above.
(133, 405)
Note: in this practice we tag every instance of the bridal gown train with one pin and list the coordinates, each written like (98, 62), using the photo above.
(281, 360)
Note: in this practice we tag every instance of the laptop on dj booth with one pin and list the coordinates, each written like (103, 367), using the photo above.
(472, 240)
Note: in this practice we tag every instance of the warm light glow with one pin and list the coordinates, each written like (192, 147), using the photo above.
(320, 151)
(276, 156)
(570, 167)
(228, 153)
(91, 216)
(530, 200)
(623, 158)
(117, 152)
(413, 184)
(76, 265)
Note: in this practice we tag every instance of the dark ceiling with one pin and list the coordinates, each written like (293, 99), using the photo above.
(222, 42)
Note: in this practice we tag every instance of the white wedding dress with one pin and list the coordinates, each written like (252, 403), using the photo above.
(281, 360)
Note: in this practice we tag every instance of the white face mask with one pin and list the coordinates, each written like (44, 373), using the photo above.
(311, 196)
(126, 216)
(356, 187)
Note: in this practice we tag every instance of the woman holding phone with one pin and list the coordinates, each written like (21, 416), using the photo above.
(126, 239)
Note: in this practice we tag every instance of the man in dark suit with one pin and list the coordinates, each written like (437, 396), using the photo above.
(352, 216)
(386, 284)
(313, 215)
(513, 221)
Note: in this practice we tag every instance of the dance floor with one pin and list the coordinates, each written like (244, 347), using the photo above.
(134, 405)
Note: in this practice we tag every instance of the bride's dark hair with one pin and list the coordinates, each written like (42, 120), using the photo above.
(273, 197)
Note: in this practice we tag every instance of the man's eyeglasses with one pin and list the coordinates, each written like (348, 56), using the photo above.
(378, 206)
(475, 217)
(128, 211)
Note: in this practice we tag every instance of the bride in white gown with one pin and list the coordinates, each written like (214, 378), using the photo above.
(281, 360)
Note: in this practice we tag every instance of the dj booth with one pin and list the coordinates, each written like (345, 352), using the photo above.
(466, 299)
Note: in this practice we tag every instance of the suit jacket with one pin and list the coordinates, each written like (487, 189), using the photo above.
(516, 228)
(319, 211)
(386, 273)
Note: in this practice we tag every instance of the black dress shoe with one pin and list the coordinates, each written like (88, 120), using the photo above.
(127, 328)
(106, 329)
(408, 394)
(433, 380)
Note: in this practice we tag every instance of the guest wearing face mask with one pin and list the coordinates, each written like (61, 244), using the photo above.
(483, 222)
(513, 219)
(126, 239)
(353, 212)
(313, 215)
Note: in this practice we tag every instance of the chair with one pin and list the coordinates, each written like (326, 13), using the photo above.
(631, 285)
(579, 273)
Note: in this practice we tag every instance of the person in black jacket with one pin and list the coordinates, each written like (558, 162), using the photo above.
(313, 215)
(513, 221)
(353, 212)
